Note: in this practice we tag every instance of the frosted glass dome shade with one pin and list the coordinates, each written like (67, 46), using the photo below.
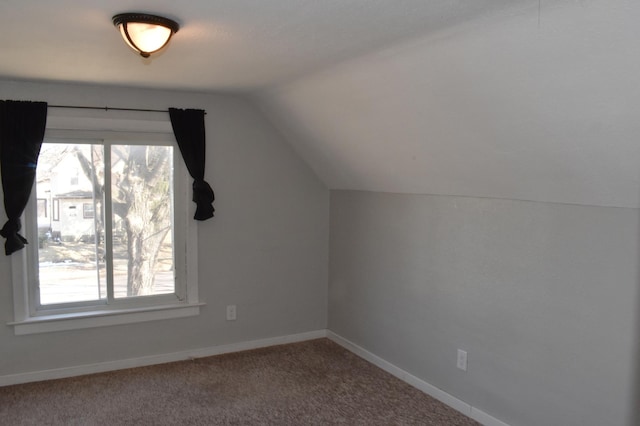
(144, 33)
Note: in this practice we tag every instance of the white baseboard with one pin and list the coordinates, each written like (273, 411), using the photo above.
(60, 373)
(442, 396)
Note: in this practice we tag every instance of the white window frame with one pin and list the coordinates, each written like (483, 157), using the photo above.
(30, 319)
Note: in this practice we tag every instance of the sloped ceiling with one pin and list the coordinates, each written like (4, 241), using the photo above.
(537, 104)
(521, 99)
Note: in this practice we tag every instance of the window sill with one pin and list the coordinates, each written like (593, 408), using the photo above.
(74, 321)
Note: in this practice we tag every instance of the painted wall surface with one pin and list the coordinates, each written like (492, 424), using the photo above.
(543, 297)
(529, 104)
(265, 251)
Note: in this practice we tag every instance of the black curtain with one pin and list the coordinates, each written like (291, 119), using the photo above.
(188, 128)
(22, 126)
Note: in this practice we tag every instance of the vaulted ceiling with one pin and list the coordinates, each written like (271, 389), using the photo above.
(530, 104)
(523, 99)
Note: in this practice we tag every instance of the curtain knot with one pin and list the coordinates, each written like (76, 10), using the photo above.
(14, 241)
(22, 127)
(203, 196)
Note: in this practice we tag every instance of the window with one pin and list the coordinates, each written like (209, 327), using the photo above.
(87, 211)
(42, 207)
(56, 210)
(121, 243)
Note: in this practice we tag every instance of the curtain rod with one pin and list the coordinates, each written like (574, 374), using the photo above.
(106, 108)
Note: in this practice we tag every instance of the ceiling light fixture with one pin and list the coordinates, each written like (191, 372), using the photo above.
(146, 34)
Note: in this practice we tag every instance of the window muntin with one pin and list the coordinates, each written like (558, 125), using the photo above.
(124, 255)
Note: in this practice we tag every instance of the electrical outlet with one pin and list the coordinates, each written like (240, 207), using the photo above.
(231, 312)
(462, 360)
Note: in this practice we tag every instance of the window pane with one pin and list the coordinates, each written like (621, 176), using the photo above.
(56, 209)
(42, 208)
(70, 250)
(87, 210)
(141, 191)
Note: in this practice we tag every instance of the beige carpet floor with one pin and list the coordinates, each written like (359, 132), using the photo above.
(310, 383)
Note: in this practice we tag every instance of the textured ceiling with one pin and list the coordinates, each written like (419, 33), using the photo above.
(235, 45)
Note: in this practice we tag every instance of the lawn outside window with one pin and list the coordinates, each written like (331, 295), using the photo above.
(111, 235)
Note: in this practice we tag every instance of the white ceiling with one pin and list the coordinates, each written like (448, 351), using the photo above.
(522, 99)
(540, 105)
(222, 44)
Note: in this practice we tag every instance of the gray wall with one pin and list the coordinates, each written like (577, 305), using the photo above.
(265, 251)
(544, 297)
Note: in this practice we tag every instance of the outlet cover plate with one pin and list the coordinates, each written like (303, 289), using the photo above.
(462, 360)
(231, 312)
